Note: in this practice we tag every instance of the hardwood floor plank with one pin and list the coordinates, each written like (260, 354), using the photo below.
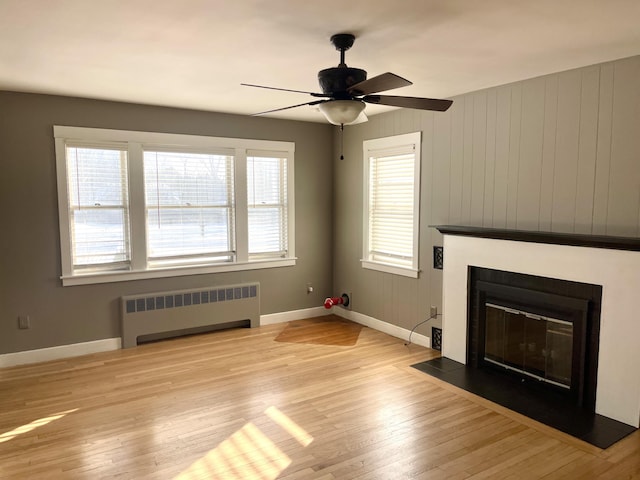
(237, 404)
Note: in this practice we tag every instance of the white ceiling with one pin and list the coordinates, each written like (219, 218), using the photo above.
(195, 53)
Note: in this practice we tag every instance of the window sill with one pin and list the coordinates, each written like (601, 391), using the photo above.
(384, 267)
(125, 276)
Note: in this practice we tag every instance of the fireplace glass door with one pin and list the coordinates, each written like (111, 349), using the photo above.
(534, 345)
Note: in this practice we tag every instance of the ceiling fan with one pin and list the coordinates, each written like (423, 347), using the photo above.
(346, 90)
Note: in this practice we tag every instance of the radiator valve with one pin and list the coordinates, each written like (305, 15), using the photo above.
(342, 300)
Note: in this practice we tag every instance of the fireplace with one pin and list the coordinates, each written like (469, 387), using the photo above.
(531, 345)
(543, 331)
(605, 380)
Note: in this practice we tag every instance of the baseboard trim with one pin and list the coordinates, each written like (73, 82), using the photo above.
(59, 352)
(282, 317)
(383, 327)
(108, 344)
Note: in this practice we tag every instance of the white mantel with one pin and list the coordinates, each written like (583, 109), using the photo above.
(618, 271)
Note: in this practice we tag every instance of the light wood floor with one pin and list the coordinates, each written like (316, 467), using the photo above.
(237, 404)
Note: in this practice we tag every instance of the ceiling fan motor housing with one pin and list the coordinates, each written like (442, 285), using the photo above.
(337, 80)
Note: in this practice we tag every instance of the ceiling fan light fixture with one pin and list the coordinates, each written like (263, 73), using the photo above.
(342, 112)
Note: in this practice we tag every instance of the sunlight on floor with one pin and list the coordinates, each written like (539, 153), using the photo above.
(5, 437)
(248, 454)
(295, 430)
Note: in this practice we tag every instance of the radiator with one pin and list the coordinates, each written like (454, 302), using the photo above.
(163, 312)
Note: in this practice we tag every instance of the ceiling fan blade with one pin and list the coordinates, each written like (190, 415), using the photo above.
(409, 102)
(286, 90)
(315, 102)
(379, 83)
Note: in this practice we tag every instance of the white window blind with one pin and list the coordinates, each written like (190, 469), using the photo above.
(391, 209)
(190, 208)
(267, 206)
(98, 207)
(392, 178)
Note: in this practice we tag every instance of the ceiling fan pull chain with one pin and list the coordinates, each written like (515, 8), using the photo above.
(342, 141)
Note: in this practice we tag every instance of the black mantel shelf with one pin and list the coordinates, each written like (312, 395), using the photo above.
(573, 239)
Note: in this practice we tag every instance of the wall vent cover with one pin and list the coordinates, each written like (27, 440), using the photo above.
(438, 257)
(436, 338)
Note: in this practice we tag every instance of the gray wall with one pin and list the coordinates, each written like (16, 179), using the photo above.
(556, 153)
(559, 153)
(29, 244)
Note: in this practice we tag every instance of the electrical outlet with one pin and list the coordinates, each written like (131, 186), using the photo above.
(309, 288)
(434, 311)
(24, 322)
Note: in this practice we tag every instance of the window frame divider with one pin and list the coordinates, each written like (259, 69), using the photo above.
(241, 206)
(137, 212)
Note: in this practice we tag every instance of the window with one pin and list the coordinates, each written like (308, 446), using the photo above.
(189, 207)
(267, 205)
(391, 204)
(98, 207)
(145, 205)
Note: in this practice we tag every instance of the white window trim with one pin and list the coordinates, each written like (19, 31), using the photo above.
(391, 145)
(135, 142)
